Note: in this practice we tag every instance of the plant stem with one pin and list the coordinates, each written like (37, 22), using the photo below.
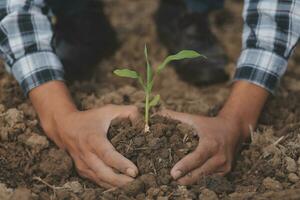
(148, 90)
(147, 111)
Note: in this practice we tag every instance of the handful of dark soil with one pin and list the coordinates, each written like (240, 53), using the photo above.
(156, 152)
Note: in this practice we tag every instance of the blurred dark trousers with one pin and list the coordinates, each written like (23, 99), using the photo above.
(203, 6)
(83, 33)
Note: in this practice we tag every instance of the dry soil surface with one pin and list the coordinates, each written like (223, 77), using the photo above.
(32, 167)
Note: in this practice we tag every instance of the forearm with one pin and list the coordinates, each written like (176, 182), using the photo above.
(52, 102)
(84, 134)
(244, 106)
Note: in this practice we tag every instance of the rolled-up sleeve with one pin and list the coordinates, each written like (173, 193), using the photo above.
(271, 31)
(26, 43)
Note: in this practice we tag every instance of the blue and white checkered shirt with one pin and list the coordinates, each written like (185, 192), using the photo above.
(26, 43)
(271, 31)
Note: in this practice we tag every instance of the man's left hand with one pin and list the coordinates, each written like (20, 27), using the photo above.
(219, 139)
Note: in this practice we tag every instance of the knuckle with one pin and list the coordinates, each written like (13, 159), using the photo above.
(89, 138)
(100, 176)
(106, 154)
(221, 160)
(227, 168)
(102, 184)
(47, 127)
(108, 106)
(107, 179)
(81, 170)
(221, 174)
(182, 182)
(115, 181)
(79, 166)
(213, 145)
(133, 109)
(82, 174)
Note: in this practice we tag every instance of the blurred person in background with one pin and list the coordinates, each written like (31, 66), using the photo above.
(40, 63)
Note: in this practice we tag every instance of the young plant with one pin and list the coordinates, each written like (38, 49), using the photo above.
(150, 77)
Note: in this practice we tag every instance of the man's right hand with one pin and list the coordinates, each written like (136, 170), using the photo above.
(83, 134)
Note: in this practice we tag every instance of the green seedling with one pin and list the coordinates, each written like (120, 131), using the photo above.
(151, 75)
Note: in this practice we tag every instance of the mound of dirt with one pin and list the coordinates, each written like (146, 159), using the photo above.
(157, 151)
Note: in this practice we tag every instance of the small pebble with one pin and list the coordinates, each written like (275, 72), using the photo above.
(140, 196)
(293, 178)
(162, 198)
(152, 192)
(272, 184)
(37, 141)
(139, 141)
(74, 186)
(13, 116)
(2, 108)
(4, 134)
(291, 164)
(21, 193)
(134, 187)
(164, 188)
(208, 195)
(5, 193)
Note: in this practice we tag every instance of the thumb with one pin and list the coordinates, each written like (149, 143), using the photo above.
(183, 117)
(130, 112)
(118, 112)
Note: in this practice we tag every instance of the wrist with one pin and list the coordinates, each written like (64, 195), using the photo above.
(52, 102)
(244, 106)
(239, 127)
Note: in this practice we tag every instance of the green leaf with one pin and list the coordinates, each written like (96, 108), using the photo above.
(150, 86)
(127, 73)
(149, 68)
(146, 52)
(184, 54)
(141, 81)
(155, 100)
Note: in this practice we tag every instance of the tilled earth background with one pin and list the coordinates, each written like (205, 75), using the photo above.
(32, 167)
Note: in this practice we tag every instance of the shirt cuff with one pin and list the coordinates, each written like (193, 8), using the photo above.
(36, 69)
(261, 67)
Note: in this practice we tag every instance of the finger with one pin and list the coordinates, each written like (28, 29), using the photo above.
(89, 174)
(106, 152)
(183, 117)
(134, 113)
(105, 173)
(85, 172)
(191, 161)
(116, 111)
(221, 173)
(130, 112)
(58, 141)
(207, 168)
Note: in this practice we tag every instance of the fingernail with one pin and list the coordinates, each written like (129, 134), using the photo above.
(131, 172)
(177, 174)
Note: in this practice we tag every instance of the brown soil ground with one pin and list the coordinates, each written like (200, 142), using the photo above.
(32, 167)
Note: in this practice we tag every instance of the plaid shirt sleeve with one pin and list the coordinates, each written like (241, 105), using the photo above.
(26, 43)
(271, 31)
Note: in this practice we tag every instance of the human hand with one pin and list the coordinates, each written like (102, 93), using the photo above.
(83, 135)
(219, 139)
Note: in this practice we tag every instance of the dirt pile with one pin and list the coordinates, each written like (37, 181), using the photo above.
(154, 153)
